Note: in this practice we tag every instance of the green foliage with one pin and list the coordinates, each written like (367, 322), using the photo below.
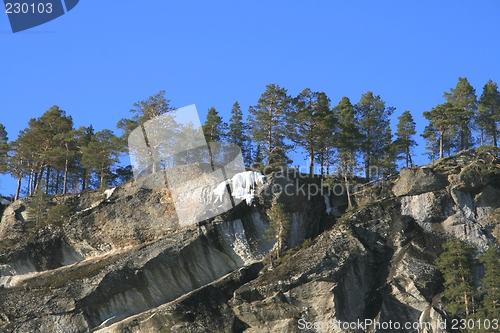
(306, 243)
(237, 133)
(490, 284)
(488, 117)
(39, 145)
(100, 154)
(4, 149)
(455, 263)
(438, 133)
(404, 133)
(307, 123)
(374, 124)
(214, 128)
(464, 101)
(38, 209)
(279, 227)
(59, 213)
(267, 121)
(347, 141)
(143, 111)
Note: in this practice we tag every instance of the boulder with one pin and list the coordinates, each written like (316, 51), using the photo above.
(417, 181)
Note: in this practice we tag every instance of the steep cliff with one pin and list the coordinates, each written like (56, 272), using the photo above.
(123, 264)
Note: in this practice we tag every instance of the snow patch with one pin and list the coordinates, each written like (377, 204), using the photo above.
(109, 192)
(242, 186)
(4, 202)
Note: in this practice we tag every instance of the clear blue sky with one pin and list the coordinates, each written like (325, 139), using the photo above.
(98, 59)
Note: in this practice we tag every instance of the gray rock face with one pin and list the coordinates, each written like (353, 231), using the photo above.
(416, 181)
(123, 264)
(121, 255)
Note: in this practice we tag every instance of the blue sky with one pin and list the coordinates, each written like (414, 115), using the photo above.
(97, 60)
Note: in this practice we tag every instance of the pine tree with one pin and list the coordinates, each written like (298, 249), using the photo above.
(4, 149)
(214, 130)
(490, 283)
(307, 123)
(404, 142)
(327, 128)
(38, 144)
(267, 120)
(258, 157)
(279, 226)
(489, 112)
(388, 163)
(455, 265)
(347, 140)
(83, 136)
(464, 101)
(101, 154)
(238, 133)
(431, 137)
(441, 119)
(38, 208)
(143, 111)
(17, 167)
(373, 122)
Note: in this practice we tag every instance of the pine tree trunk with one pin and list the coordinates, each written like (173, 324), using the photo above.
(57, 182)
(38, 176)
(311, 163)
(367, 167)
(84, 180)
(30, 183)
(346, 180)
(65, 181)
(495, 141)
(407, 156)
(441, 133)
(47, 181)
(18, 189)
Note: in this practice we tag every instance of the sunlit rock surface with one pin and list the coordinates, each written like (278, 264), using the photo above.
(122, 263)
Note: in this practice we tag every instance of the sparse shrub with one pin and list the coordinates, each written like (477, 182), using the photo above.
(307, 243)
(38, 209)
(59, 213)
(279, 226)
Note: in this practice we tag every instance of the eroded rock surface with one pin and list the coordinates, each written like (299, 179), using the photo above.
(122, 264)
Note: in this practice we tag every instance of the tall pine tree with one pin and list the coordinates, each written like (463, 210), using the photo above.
(143, 111)
(4, 149)
(489, 113)
(404, 133)
(441, 123)
(374, 123)
(347, 141)
(464, 101)
(490, 284)
(455, 265)
(214, 130)
(267, 120)
(308, 122)
(238, 133)
(101, 154)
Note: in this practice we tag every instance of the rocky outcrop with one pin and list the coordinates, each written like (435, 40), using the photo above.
(123, 264)
(123, 252)
(416, 181)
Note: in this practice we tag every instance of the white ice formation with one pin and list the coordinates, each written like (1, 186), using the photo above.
(242, 186)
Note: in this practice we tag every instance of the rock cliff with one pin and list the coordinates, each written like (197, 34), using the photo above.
(123, 264)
